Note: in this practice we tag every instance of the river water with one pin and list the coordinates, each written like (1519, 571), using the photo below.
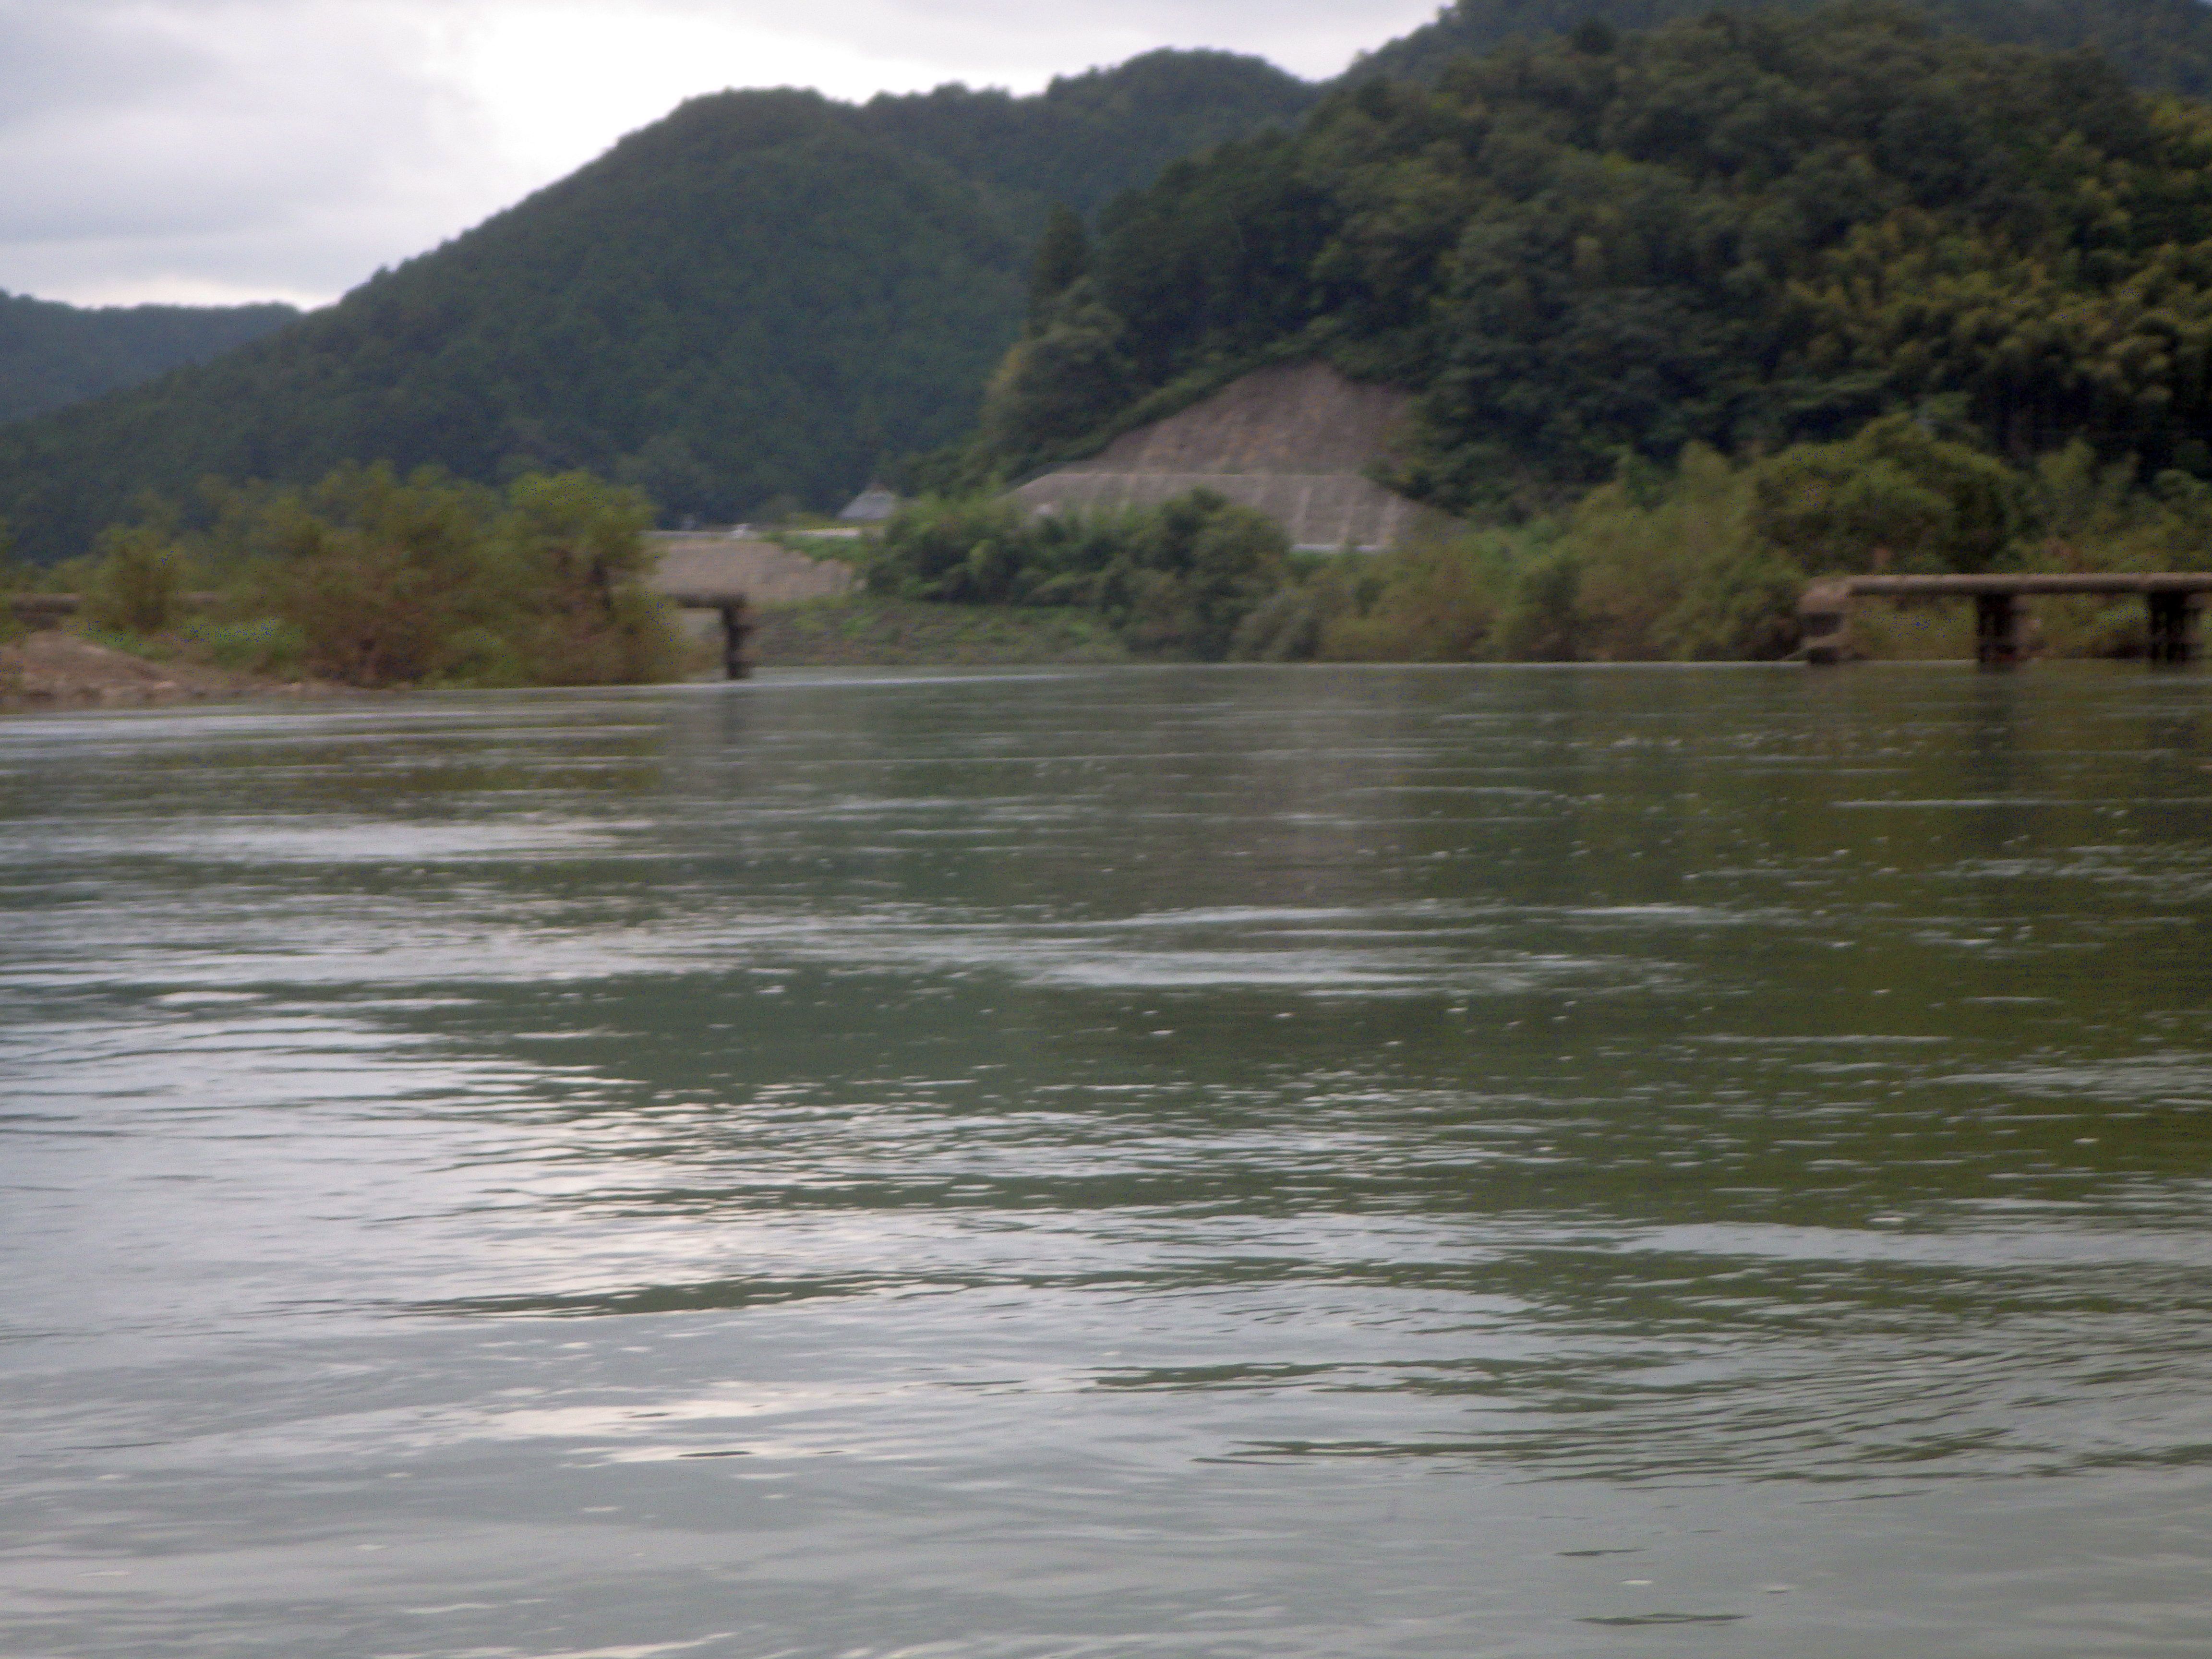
(1181, 1162)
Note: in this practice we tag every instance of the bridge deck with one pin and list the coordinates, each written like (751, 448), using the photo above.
(1824, 612)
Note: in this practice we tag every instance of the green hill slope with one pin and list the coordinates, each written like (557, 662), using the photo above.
(1736, 231)
(53, 354)
(1087, 137)
(763, 295)
(2161, 45)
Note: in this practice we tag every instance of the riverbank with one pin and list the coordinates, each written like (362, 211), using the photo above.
(52, 668)
(58, 668)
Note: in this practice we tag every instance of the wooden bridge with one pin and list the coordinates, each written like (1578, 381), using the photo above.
(2173, 597)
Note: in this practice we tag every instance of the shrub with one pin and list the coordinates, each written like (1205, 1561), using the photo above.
(1177, 578)
(136, 583)
(257, 645)
(375, 579)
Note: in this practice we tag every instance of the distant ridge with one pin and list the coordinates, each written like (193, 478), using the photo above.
(53, 354)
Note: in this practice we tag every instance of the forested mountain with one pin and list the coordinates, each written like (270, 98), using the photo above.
(1087, 137)
(53, 354)
(762, 296)
(1732, 230)
(1741, 231)
(2162, 46)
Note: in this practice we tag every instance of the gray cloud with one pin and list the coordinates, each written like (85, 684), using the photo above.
(1308, 37)
(191, 149)
(82, 60)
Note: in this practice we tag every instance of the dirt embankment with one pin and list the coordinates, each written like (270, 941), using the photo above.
(50, 669)
(1292, 441)
(1292, 418)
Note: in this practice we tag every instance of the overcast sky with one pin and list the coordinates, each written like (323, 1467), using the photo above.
(210, 151)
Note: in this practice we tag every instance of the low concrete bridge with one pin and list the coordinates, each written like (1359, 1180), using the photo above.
(732, 574)
(2174, 598)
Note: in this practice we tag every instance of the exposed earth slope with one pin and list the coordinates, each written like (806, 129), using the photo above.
(1294, 439)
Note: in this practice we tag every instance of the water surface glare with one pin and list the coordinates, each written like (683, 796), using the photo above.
(1208, 1163)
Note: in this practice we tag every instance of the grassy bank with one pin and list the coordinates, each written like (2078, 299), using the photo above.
(868, 630)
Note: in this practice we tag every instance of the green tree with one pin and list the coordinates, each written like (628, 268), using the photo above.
(375, 580)
(1062, 255)
(135, 581)
(569, 555)
(1178, 579)
(1894, 496)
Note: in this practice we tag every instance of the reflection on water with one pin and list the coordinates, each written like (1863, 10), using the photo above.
(1200, 1162)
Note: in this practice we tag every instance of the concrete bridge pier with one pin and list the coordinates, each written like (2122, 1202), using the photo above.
(735, 626)
(1997, 631)
(2172, 626)
(2174, 598)
(1824, 623)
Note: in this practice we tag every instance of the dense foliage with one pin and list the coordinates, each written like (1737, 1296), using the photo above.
(1179, 579)
(1086, 138)
(373, 580)
(1704, 560)
(53, 354)
(1738, 232)
(752, 303)
(2161, 45)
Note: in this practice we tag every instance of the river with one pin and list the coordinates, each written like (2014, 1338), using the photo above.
(1587, 1162)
